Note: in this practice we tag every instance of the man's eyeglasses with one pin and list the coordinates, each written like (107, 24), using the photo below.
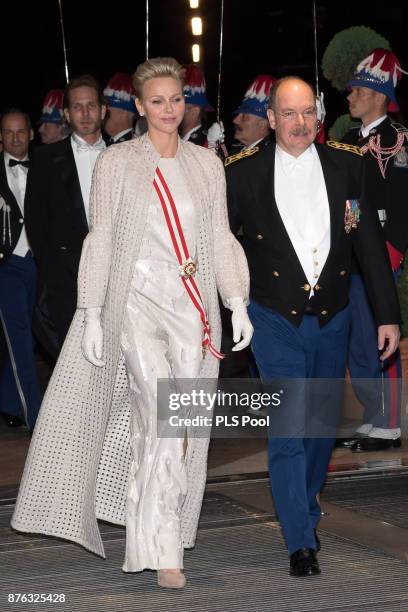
(309, 113)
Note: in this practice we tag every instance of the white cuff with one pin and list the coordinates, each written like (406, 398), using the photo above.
(234, 303)
(92, 314)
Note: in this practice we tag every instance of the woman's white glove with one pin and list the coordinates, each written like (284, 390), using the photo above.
(92, 339)
(241, 325)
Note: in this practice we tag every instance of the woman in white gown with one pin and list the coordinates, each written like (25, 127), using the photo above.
(148, 302)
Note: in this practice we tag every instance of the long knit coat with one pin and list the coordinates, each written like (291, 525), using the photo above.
(78, 464)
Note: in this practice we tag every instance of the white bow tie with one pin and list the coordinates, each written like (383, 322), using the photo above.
(84, 147)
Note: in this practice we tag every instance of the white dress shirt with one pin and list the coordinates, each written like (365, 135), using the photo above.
(365, 129)
(301, 197)
(17, 180)
(85, 157)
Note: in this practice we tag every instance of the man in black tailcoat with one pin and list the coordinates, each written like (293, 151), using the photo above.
(302, 210)
(57, 205)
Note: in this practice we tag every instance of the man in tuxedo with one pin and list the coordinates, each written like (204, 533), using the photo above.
(120, 96)
(57, 207)
(302, 210)
(20, 396)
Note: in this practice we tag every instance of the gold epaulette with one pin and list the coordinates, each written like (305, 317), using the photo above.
(245, 153)
(345, 147)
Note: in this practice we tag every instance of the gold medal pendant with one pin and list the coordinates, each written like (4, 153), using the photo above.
(188, 268)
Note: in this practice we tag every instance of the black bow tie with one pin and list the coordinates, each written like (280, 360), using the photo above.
(16, 162)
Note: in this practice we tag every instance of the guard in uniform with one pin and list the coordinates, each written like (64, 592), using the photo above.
(52, 124)
(251, 126)
(192, 128)
(120, 96)
(252, 132)
(384, 145)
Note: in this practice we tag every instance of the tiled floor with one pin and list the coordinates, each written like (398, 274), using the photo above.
(227, 457)
(239, 563)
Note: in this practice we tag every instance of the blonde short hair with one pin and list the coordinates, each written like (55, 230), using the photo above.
(157, 67)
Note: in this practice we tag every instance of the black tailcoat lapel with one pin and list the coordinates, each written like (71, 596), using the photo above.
(4, 186)
(65, 162)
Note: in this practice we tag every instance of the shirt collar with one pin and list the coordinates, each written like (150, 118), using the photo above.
(288, 159)
(366, 129)
(120, 134)
(76, 139)
(252, 145)
(187, 136)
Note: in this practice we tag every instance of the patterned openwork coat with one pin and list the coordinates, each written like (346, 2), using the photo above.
(78, 464)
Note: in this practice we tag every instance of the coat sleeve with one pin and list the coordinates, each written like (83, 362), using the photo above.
(234, 216)
(36, 215)
(94, 267)
(231, 266)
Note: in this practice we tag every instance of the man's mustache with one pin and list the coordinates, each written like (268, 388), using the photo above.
(300, 131)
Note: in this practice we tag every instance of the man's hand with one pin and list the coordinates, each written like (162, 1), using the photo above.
(388, 339)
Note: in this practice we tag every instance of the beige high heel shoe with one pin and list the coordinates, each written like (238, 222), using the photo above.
(171, 578)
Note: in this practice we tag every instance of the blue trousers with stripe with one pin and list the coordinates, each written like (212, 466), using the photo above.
(297, 465)
(20, 393)
(377, 385)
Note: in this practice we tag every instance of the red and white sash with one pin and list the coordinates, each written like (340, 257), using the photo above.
(186, 264)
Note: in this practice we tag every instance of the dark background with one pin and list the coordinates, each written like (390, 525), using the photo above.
(269, 36)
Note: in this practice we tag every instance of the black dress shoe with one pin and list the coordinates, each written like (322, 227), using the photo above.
(11, 420)
(318, 544)
(303, 562)
(348, 442)
(374, 444)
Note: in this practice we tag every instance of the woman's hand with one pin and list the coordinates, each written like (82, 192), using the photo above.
(92, 339)
(241, 325)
